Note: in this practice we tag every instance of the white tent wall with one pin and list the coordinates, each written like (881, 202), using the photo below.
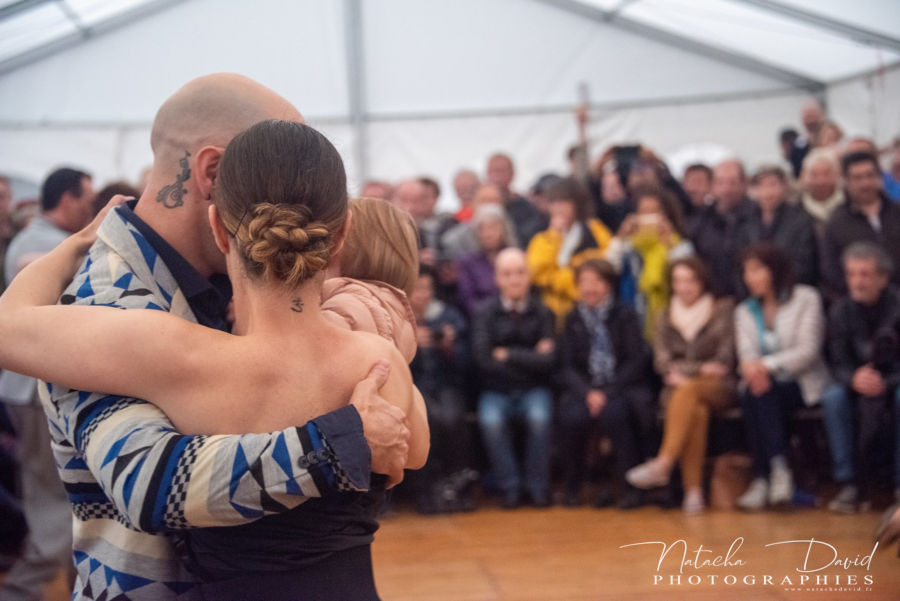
(441, 86)
(868, 105)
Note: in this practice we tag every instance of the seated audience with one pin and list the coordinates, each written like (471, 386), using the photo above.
(829, 135)
(572, 237)
(377, 189)
(863, 351)
(461, 239)
(779, 333)
(714, 230)
(694, 354)
(604, 382)
(438, 370)
(868, 215)
(515, 352)
(476, 270)
(642, 249)
(774, 220)
(106, 193)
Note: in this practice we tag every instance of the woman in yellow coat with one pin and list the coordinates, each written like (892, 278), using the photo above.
(573, 236)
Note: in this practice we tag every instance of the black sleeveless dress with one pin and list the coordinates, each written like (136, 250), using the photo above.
(319, 551)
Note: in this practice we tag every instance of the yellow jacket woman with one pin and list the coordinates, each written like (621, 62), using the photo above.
(572, 238)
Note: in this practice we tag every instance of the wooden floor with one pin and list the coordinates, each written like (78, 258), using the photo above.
(562, 554)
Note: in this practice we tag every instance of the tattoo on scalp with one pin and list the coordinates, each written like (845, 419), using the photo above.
(172, 196)
(297, 305)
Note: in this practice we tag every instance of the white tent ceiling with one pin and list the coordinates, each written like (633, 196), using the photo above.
(406, 87)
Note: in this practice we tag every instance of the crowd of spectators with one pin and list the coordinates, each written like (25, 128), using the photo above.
(653, 305)
(575, 343)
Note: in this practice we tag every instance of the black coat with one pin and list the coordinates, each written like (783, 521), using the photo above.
(633, 362)
(525, 368)
(846, 226)
(792, 231)
(852, 333)
(716, 240)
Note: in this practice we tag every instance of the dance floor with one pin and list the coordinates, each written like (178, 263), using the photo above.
(563, 554)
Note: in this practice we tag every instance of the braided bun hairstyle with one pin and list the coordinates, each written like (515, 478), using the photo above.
(281, 192)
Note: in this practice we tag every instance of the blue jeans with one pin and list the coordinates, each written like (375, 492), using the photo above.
(845, 414)
(495, 412)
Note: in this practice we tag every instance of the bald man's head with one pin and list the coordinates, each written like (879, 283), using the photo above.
(210, 111)
(511, 273)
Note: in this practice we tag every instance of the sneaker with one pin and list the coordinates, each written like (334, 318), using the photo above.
(693, 502)
(846, 500)
(781, 487)
(649, 474)
(754, 499)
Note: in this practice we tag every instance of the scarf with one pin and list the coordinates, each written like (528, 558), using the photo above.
(601, 359)
(821, 211)
(690, 320)
(571, 241)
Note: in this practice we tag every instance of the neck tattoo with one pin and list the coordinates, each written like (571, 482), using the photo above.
(297, 305)
(172, 196)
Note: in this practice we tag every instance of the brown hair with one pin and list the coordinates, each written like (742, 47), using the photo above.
(777, 262)
(604, 270)
(769, 170)
(382, 244)
(281, 192)
(571, 190)
(667, 204)
(697, 266)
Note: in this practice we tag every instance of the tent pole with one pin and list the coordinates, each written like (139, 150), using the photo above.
(353, 34)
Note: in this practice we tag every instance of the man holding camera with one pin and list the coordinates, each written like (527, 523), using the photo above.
(865, 361)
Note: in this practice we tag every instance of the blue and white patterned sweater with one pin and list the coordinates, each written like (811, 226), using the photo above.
(133, 480)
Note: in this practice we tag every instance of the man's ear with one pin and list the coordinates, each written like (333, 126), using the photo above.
(220, 235)
(206, 167)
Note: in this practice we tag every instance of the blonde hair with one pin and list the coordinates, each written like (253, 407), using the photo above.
(382, 244)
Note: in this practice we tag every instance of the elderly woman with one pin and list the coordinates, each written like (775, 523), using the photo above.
(694, 354)
(493, 232)
(572, 237)
(780, 332)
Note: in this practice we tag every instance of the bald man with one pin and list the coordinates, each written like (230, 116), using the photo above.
(514, 349)
(132, 480)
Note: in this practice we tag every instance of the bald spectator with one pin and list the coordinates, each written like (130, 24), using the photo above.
(524, 215)
(514, 350)
(772, 219)
(812, 116)
(465, 184)
(714, 230)
(867, 216)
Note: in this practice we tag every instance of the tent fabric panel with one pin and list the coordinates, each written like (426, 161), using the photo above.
(297, 48)
(759, 33)
(881, 17)
(868, 105)
(512, 54)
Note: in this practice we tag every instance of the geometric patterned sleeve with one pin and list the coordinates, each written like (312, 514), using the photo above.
(124, 458)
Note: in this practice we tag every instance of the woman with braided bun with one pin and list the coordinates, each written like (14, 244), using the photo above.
(279, 213)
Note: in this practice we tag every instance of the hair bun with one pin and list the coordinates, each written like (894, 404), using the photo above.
(285, 243)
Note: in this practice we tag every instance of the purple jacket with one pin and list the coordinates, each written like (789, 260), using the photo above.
(476, 281)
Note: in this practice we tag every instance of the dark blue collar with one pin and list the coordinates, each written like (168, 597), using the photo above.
(208, 298)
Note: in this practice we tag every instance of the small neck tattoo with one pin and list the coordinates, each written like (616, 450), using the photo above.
(297, 305)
